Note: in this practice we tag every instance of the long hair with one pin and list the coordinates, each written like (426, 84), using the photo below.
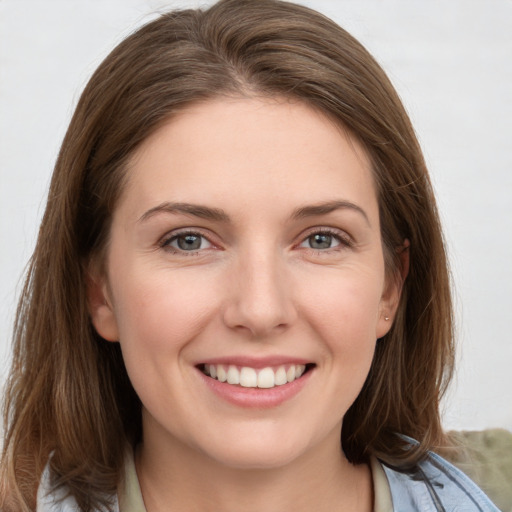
(68, 393)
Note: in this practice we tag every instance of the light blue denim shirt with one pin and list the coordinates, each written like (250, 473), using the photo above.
(435, 485)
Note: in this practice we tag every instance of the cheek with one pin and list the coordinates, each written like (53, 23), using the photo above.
(162, 311)
(159, 314)
(345, 316)
(345, 306)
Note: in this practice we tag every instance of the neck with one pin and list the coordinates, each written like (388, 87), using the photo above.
(321, 479)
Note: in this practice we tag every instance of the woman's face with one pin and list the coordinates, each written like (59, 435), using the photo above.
(246, 246)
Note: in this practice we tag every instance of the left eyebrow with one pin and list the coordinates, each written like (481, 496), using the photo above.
(203, 212)
(328, 207)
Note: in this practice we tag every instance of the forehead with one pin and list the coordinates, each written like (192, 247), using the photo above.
(252, 151)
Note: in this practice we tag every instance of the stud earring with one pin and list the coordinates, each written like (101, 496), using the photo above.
(386, 318)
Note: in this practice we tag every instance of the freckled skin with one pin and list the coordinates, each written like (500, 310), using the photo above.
(253, 285)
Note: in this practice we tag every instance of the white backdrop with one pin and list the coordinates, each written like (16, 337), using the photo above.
(451, 61)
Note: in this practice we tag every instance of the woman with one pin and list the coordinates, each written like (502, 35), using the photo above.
(240, 262)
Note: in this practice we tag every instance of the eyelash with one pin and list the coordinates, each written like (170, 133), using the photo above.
(345, 242)
(166, 241)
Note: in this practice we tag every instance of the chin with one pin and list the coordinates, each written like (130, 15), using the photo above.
(259, 452)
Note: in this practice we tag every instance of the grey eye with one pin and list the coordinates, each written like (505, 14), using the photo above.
(321, 241)
(189, 242)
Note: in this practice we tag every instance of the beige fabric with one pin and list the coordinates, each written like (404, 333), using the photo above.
(486, 457)
(130, 495)
(381, 491)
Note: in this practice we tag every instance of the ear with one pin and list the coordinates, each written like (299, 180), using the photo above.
(100, 306)
(393, 291)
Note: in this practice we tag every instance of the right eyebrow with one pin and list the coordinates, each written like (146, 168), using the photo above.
(328, 207)
(203, 212)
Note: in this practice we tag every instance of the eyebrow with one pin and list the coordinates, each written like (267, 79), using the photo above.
(328, 207)
(203, 212)
(219, 215)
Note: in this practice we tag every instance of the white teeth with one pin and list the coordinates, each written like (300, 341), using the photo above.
(299, 370)
(222, 376)
(290, 374)
(280, 377)
(266, 378)
(248, 377)
(252, 378)
(233, 375)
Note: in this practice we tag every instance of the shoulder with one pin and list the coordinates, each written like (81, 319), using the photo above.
(59, 500)
(435, 485)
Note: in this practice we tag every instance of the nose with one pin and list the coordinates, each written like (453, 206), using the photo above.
(260, 301)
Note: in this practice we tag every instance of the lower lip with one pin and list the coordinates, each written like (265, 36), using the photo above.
(260, 398)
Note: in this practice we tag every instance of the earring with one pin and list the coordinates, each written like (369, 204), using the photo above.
(386, 318)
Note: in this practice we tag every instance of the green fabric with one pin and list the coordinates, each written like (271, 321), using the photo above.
(486, 457)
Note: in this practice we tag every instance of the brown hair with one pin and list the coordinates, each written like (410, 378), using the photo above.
(68, 391)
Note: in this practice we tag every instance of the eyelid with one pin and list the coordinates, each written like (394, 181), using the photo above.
(164, 241)
(344, 238)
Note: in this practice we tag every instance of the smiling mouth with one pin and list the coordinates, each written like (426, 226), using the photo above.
(263, 378)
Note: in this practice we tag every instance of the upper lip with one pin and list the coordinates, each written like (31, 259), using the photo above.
(255, 362)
